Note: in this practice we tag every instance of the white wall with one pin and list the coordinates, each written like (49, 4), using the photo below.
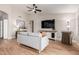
(13, 14)
(60, 21)
(77, 25)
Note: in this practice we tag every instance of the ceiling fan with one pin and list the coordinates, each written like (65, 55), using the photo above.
(34, 8)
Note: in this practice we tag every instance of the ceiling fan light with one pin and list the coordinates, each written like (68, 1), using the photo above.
(33, 10)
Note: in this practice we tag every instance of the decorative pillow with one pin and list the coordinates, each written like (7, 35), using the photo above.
(43, 34)
(24, 33)
(34, 34)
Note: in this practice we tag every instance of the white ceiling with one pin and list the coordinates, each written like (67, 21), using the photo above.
(50, 8)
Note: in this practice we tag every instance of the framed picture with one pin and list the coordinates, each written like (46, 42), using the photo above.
(20, 23)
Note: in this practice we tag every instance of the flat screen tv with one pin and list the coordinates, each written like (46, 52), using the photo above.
(48, 24)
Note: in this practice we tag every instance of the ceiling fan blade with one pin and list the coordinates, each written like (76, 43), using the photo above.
(29, 7)
(29, 10)
(38, 10)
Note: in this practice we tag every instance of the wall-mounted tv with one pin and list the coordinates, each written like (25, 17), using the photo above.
(48, 24)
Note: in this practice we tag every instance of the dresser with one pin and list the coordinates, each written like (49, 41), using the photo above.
(66, 38)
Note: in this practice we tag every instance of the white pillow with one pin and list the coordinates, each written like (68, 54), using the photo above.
(24, 33)
(34, 34)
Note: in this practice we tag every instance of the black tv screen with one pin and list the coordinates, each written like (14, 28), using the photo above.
(48, 24)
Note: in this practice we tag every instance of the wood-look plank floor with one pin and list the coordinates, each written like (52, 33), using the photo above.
(11, 47)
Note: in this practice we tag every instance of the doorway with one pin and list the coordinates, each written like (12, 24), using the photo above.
(1, 29)
(3, 19)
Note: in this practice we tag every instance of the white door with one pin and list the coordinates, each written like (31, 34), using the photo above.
(5, 29)
(1, 29)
